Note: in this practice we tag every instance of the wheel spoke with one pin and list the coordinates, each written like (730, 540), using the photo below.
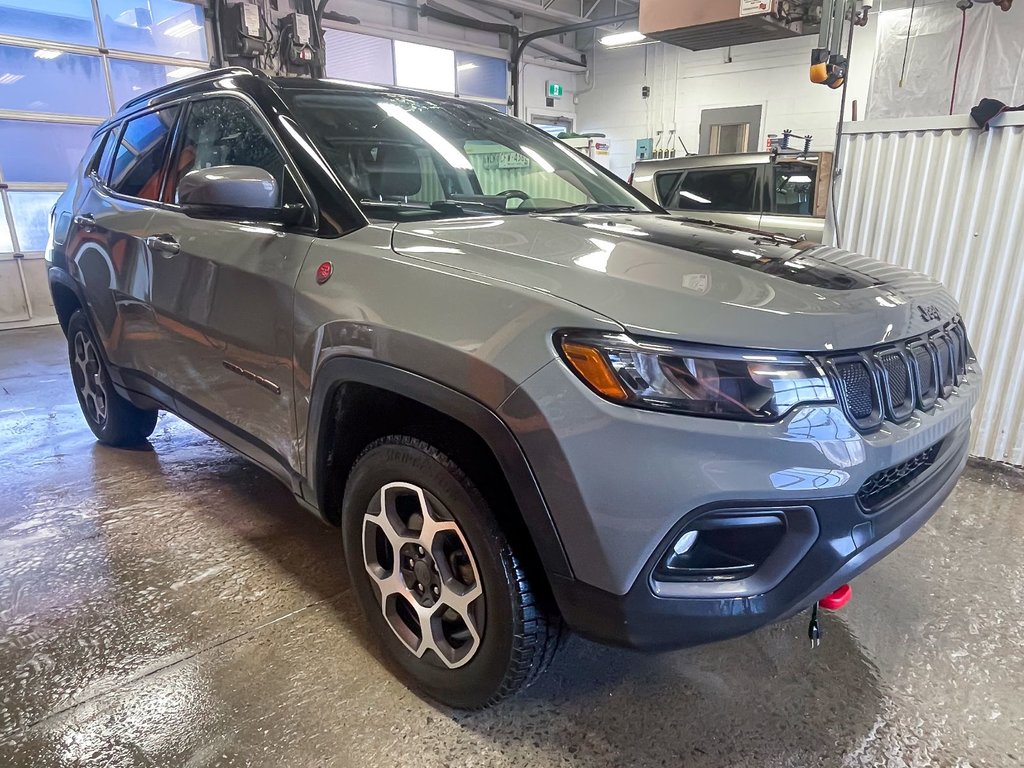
(426, 579)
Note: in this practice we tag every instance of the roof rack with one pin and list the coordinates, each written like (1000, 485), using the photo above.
(212, 74)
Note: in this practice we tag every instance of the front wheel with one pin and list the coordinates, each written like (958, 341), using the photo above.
(113, 419)
(437, 578)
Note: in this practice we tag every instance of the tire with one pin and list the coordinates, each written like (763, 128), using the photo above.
(416, 529)
(113, 419)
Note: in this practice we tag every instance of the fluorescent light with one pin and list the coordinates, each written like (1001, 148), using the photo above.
(47, 53)
(695, 198)
(536, 157)
(182, 29)
(180, 72)
(445, 148)
(800, 179)
(623, 38)
(466, 67)
(7, 78)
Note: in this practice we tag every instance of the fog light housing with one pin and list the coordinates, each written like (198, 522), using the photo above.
(723, 546)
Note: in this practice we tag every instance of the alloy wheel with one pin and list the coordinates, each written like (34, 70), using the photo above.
(89, 378)
(426, 578)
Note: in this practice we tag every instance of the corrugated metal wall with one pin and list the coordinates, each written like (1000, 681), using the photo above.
(940, 197)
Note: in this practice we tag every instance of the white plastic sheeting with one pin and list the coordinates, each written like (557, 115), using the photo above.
(992, 65)
(945, 199)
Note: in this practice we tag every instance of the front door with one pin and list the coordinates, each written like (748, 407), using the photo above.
(222, 292)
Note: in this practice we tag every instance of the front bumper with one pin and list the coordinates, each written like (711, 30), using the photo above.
(848, 542)
(621, 483)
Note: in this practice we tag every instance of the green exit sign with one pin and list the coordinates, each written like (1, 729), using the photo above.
(555, 91)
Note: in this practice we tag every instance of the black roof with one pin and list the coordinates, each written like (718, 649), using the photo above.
(183, 86)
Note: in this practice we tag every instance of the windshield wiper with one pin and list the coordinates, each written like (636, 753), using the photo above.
(460, 206)
(590, 208)
(776, 237)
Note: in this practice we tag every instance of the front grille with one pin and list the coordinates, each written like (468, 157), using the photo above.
(883, 486)
(889, 382)
(855, 381)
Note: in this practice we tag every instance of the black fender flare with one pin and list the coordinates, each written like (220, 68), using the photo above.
(472, 414)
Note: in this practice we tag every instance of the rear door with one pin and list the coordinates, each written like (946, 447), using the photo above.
(730, 195)
(222, 293)
(105, 242)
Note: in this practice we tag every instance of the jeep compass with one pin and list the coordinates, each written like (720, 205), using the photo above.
(527, 396)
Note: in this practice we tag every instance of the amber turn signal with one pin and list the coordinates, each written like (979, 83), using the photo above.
(592, 367)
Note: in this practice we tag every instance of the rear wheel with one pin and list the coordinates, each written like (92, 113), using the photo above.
(437, 578)
(113, 419)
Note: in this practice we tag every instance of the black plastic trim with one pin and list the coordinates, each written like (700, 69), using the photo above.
(477, 417)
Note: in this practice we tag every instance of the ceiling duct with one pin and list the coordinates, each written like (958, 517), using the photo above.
(699, 26)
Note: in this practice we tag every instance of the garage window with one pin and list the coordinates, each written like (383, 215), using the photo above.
(68, 21)
(58, 148)
(358, 58)
(68, 83)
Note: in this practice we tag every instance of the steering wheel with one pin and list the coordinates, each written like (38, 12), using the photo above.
(514, 194)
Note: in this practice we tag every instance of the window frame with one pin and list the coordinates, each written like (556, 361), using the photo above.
(253, 108)
(760, 179)
(184, 104)
(123, 124)
(770, 191)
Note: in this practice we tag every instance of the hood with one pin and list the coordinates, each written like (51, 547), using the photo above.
(661, 276)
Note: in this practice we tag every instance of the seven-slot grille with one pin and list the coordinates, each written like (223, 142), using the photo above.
(889, 382)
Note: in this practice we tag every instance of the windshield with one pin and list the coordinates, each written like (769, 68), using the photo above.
(410, 158)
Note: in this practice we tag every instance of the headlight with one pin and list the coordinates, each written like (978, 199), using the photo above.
(699, 381)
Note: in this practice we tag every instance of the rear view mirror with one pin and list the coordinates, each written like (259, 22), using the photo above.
(235, 192)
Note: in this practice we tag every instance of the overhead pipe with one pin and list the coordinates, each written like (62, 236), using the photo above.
(521, 43)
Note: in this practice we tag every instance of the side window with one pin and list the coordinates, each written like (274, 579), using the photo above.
(91, 156)
(106, 158)
(794, 188)
(139, 161)
(225, 132)
(721, 189)
(664, 183)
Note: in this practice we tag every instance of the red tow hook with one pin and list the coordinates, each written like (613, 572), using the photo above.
(831, 602)
(836, 600)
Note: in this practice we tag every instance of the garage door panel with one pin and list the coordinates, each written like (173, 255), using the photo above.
(13, 304)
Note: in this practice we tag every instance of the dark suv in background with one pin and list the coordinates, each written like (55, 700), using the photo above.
(524, 392)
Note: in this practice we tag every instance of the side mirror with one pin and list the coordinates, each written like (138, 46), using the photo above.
(235, 192)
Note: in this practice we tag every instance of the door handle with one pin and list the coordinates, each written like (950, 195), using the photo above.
(85, 221)
(165, 244)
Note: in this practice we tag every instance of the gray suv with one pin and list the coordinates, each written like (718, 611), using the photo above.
(526, 395)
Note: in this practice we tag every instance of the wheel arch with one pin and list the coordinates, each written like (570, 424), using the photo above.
(348, 389)
(66, 299)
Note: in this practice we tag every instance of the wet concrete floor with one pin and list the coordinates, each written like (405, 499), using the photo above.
(173, 606)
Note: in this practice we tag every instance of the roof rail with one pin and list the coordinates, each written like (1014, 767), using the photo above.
(212, 74)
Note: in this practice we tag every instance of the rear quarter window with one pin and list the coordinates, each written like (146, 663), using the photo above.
(665, 183)
(139, 160)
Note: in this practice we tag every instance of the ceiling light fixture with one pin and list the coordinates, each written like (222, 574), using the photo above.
(623, 38)
(182, 28)
(7, 78)
(467, 66)
(47, 53)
